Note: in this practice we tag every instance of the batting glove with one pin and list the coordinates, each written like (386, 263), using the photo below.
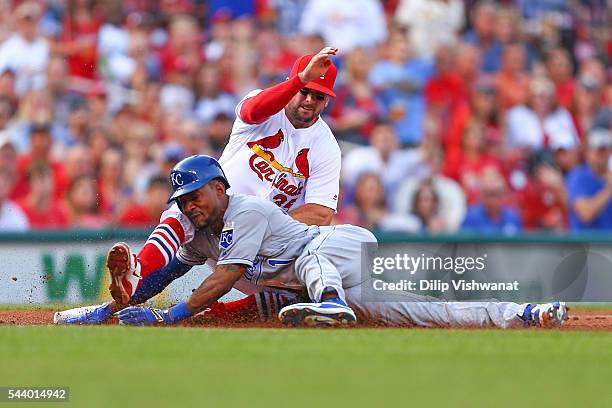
(147, 316)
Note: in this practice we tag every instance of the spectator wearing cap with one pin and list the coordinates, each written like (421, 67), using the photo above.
(346, 23)
(148, 213)
(26, 52)
(535, 125)
(566, 153)
(40, 205)
(400, 79)
(491, 214)
(589, 186)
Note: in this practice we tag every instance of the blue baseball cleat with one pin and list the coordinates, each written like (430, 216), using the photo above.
(545, 315)
(97, 314)
(331, 312)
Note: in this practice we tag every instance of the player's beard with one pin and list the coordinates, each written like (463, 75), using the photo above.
(302, 118)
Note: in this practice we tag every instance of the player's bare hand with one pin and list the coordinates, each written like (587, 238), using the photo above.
(318, 65)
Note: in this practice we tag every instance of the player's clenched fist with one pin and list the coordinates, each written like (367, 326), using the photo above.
(318, 65)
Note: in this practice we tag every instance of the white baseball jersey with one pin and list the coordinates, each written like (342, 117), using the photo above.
(279, 163)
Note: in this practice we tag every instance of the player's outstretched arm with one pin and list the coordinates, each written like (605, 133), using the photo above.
(270, 101)
(214, 286)
(151, 286)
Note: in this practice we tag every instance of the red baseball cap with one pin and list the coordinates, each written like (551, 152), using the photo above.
(323, 84)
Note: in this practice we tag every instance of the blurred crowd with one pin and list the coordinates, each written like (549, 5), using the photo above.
(490, 116)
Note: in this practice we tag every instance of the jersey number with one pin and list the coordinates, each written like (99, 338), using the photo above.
(281, 201)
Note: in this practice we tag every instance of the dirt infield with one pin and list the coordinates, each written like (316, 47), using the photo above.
(579, 320)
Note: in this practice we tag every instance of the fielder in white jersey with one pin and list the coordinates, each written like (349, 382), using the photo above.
(251, 240)
(280, 149)
(280, 163)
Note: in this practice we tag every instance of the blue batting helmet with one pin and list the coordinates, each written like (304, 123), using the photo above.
(194, 172)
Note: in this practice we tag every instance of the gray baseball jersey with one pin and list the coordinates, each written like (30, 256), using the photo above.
(257, 234)
(282, 253)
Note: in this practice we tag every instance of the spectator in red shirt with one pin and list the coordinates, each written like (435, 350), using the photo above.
(79, 38)
(560, 71)
(41, 143)
(354, 111)
(447, 88)
(468, 165)
(483, 107)
(147, 215)
(40, 206)
(83, 205)
(543, 201)
(182, 51)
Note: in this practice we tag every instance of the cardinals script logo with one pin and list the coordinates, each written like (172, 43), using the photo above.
(289, 180)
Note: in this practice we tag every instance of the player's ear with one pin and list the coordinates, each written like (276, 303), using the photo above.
(219, 187)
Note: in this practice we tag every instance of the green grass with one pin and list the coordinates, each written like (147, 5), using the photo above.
(184, 367)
